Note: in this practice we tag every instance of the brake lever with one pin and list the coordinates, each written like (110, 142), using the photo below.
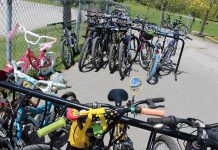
(152, 105)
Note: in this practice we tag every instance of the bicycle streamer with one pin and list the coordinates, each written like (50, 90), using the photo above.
(78, 137)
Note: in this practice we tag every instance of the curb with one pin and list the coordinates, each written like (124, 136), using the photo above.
(212, 39)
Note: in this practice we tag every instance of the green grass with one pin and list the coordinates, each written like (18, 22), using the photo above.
(19, 45)
(154, 16)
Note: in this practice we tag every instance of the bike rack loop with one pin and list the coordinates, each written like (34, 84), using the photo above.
(181, 52)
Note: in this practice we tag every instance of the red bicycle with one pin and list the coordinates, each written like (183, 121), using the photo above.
(45, 62)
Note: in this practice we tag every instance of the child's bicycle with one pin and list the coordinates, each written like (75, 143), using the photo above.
(89, 127)
(45, 62)
(28, 112)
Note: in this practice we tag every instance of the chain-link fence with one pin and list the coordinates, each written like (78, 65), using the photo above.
(36, 14)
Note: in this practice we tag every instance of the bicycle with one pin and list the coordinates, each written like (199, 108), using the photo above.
(68, 45)
(206, 133)
(45, 62)
(93, 30)
(177, 24)
(119, 32)
(28, 111)
(124, 119)
(128, 50)
(104, 118)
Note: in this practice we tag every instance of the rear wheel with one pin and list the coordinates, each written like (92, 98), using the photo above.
(97, 53)
(165, 143)
(45, 68)
(66, 53)
(85, 56)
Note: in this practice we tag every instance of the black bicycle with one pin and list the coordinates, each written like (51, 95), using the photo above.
(93, 30)
(69, 44)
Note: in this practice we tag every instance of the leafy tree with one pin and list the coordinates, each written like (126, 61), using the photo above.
(209, 4)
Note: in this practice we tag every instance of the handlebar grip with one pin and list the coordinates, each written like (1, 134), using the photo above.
(60, 85)
(157, 100)
(164, 120)
(52, 127)
(153, 112)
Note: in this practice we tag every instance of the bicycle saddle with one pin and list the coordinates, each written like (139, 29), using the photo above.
(213, 134)
(117, 95)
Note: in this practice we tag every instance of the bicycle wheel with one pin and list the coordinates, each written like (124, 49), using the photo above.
(152, 76)
(163, 142)
(38, 147)
(45, 68)
(66, 53)
(124, 60)
(113, 57)
(134, 45)
(97, 53)
(85, 56)
(183, 29)
(145, 56)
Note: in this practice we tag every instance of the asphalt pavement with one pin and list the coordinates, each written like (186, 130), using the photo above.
(194, 94)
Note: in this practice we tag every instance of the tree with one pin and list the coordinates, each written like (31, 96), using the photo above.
(208, 5)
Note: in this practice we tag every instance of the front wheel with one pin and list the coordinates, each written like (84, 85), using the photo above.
(165, 142)
(152, 72)
(66, 53)
(97, 53)
(85, 55)
(113, 57)
(145, 55)
(38, 147)
(124, 60)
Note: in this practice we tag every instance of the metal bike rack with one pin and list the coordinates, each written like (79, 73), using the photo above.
(130, 121)
(180, 55)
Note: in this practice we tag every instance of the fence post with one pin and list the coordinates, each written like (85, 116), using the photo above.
(78, 19)
(9, 26)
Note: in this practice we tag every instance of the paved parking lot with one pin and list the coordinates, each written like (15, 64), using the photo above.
(195, 94)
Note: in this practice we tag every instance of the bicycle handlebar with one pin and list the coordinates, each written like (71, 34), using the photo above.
(34, 35)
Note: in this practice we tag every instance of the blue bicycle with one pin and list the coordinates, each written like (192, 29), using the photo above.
(30, 115)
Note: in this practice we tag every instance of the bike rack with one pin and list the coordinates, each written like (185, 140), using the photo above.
(130, 121)
(181, 52)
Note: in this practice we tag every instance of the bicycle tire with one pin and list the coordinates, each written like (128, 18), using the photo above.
(45, 71)
(38, 147)
(97, 53)
(153, 69)
(135, 49)
(113, 57)
(144, 58)
(123, 60)
(86, 50)
(167, 141)
(66, 54)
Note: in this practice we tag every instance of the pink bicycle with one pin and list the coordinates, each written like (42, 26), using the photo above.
(45, 62)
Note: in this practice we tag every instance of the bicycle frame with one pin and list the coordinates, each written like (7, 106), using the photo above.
(30, 57)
